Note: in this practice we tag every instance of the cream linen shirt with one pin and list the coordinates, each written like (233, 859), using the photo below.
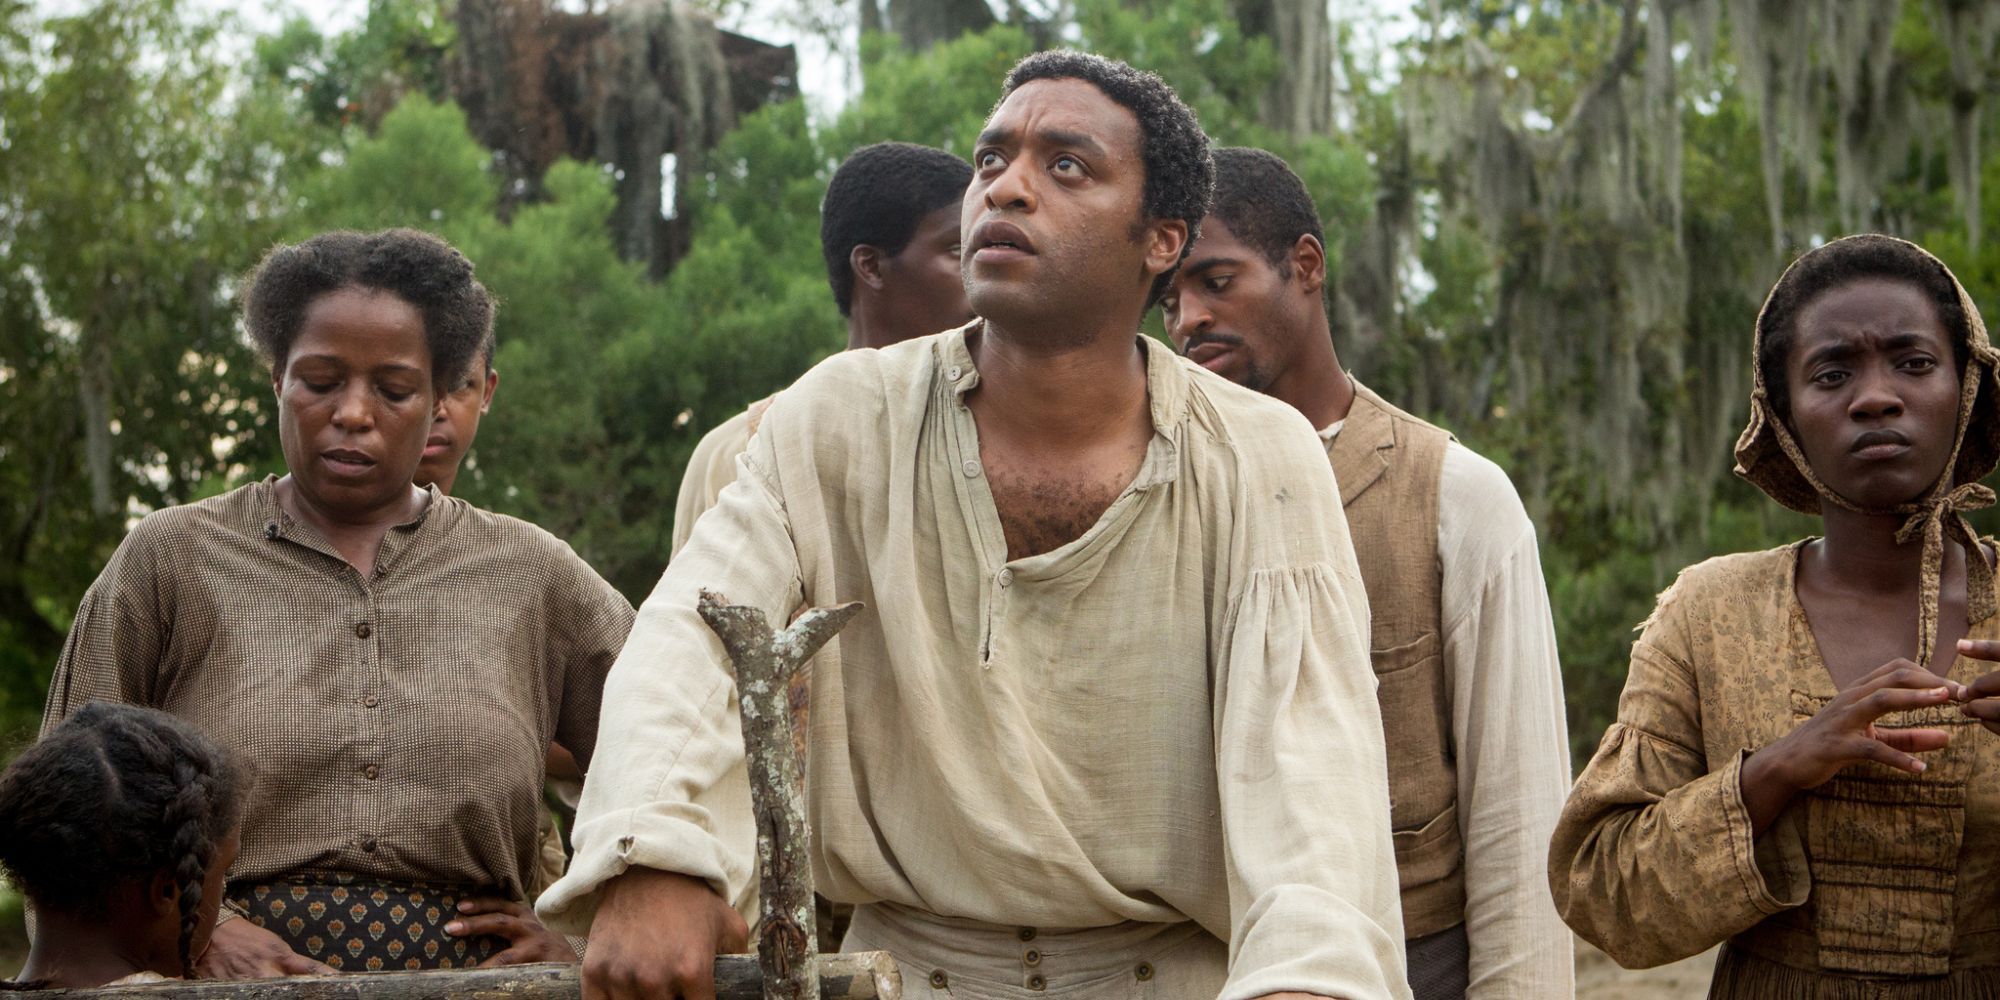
(709, 469)
(1171, 718)
(1507, 726)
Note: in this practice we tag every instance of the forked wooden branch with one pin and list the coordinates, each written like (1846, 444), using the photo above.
(867, 975)
(766, 660)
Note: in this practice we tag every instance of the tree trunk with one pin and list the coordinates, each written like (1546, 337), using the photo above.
(94, 394)
(624, 87)
(1300, 101)
(924, 23)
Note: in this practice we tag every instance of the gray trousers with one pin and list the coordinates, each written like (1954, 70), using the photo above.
(1440, 965)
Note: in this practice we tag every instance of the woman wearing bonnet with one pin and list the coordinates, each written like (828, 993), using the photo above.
(1798, 769)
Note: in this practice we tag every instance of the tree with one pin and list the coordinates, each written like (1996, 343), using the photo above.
(631, 86)
(137, 187)
(1583, 176)
(1298, 102)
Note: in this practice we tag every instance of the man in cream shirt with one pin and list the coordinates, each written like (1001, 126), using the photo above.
(1107, 726)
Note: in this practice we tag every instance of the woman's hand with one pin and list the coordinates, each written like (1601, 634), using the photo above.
(239, 949)
(527, 940)
(1982, 696)
(1844, 734)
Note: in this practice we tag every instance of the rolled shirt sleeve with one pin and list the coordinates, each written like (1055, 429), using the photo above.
(598, 621)
(119, 636)
(669, 789)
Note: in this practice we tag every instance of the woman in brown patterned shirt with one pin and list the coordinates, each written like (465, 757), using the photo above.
(392, 661)
(1790, 773)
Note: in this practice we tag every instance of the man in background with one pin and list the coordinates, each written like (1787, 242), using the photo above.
(889, 232)
(453, 430)
(1462, 640)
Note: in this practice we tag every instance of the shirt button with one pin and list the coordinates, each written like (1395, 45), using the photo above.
(1026, 934)
(369, 701)
(368, 844)
(363, 630)
(939, 980)
(1144, 971)
(1033, 957)
(1037, 983)
(954, 372)
(971, 469)
(1006, 577)
(371, 772)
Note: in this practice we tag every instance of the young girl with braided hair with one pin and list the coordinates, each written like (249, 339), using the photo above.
(118, 827)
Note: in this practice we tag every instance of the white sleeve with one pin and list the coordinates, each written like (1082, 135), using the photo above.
(1509, 730)
(668, 788)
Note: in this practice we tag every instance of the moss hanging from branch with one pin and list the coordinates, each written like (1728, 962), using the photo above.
(1970, 29)
(626, 87)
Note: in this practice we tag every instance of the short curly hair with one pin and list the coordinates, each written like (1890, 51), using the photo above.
(1180, 172)
(1264, 203)
(877, 198)
(1821, 270)
(414, 266)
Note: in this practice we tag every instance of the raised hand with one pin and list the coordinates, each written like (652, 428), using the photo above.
(1844, 733)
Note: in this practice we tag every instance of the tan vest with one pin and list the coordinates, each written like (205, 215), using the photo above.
(1388, 464)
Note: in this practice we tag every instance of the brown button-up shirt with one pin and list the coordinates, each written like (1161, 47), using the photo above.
(398, 723)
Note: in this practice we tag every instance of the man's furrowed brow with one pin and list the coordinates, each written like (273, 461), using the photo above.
(1062, 138)
(1072, 140)
(1202, 265)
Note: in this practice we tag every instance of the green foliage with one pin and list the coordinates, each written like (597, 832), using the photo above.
(135, 188)
(141, 172)
(420, 168)
(358, 77)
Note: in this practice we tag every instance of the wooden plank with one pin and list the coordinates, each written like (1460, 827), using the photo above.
(868, 975)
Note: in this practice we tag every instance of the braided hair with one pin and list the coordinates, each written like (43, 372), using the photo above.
(113, 794)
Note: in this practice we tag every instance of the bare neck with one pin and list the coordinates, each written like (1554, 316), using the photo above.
(1860, 554)
(864, 332)
(1313, 382)
(1059, 394)
(73, 953)
(870, 325)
